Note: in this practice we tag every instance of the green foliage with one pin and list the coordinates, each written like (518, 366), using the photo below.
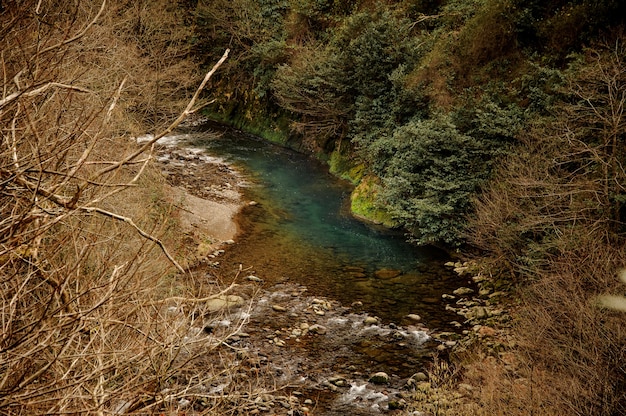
(429, 179)
(373, 46)
(265, 58)
(371, 76)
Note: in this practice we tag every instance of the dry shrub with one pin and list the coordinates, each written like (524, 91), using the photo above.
(435, 74)
(554, 218)
(568, 354)
(94, 317)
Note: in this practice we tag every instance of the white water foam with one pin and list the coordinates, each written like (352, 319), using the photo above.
(363, 396)
(172, 140)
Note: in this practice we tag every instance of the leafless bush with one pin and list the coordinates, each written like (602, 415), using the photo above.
(93, 318)
(555, 219)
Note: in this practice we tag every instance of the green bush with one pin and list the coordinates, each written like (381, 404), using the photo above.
(430, 177)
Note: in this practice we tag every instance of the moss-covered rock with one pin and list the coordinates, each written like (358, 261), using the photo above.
(346, 167)
(364, 202)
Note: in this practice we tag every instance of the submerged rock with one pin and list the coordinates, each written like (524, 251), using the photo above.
(387, 273)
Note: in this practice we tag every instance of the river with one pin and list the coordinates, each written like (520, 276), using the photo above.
(301, 230)
(301, 240)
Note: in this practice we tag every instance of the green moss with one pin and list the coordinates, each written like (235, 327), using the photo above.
(364, 205)
(346, 167)
(254, 119)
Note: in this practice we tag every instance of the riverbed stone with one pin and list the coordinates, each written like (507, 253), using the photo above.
(224, 302)
(370, 320)
(397, 404)
(387, 273)
(338, 381)
(318, 329)
(414, 317)
(419, 377)
(462, 291)
(379, 378)
(354, 269)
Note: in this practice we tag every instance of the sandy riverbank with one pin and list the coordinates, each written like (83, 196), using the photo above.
(205, 190)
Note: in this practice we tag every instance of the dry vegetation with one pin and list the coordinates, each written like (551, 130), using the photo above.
(96, 315)
(555, 220)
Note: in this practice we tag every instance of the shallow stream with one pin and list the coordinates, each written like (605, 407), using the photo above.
(355, 283)
(301, 231)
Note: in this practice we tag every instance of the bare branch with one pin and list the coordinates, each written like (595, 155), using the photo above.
(130, 222)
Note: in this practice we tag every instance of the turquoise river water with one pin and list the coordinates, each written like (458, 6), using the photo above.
(302, 231)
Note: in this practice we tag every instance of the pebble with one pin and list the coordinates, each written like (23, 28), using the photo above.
(370, 320)
(414, 317)
(279, 308)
